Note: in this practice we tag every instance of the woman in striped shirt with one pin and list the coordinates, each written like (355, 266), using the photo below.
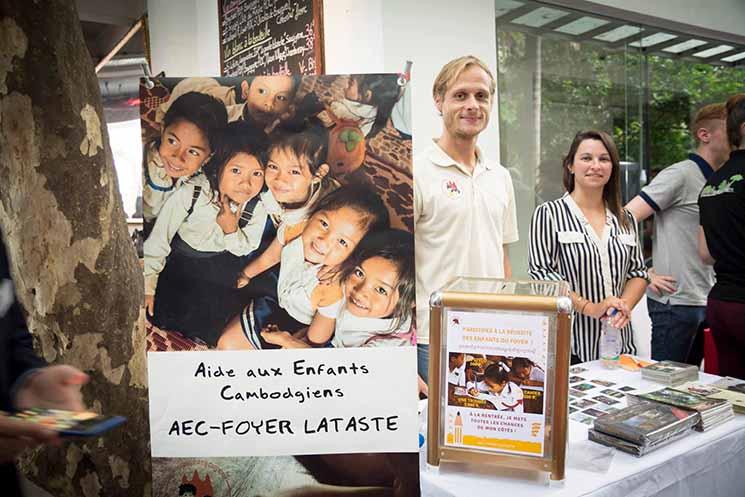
(588, 240)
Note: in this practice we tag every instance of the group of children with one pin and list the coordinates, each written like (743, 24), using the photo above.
(225, 202)
(496, 380)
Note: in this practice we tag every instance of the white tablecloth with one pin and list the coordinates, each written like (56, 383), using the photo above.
(710, 464)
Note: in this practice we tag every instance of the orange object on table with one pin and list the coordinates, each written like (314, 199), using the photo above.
(631, 363)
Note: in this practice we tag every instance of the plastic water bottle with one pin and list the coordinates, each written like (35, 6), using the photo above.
(610, 344)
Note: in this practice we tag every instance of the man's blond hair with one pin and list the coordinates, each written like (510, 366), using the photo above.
(450, 72)
(706, 117)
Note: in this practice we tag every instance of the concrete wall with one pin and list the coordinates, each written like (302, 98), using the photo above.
(430, 37)
(184, 37)
(353, 35)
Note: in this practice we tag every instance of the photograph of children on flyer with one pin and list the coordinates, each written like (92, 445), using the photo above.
(513, 384)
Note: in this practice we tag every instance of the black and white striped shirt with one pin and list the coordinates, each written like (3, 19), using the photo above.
(563, 246)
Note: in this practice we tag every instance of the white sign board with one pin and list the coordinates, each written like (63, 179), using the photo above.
(283, 402)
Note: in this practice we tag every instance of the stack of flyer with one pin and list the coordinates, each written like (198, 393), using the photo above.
(727, 388)
(642, 427)
(731, 384)
(670, 372)
(713, 412)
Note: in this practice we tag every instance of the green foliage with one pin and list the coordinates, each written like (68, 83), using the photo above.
(567, 86)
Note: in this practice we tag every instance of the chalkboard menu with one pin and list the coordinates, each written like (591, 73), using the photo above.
(266, 37)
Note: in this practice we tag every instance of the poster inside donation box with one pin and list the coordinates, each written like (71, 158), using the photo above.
(496, 381)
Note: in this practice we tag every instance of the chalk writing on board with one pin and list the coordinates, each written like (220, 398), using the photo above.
(268, 37)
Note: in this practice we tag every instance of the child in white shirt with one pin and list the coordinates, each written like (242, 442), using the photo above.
(378, 282)
(497, 389)
(296, 178)
(335, 227)
(188, 134)
(206, 231)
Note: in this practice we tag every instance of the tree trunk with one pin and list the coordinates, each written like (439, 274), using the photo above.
(75, 269)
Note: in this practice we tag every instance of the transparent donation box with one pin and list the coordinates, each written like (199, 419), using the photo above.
(499, 366)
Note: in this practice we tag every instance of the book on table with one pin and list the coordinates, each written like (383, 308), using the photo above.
(730, 383)
(717, 390)
(647, 424)
(631, 447)
(712, 412)
(670, 372)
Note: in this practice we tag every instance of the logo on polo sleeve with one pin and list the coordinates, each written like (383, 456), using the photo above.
(450, 188)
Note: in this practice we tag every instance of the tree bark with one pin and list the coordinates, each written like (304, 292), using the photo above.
(75, 269)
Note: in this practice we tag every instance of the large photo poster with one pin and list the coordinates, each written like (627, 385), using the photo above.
(278, 215)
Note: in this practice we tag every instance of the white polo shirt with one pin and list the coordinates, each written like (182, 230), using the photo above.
(461, 221)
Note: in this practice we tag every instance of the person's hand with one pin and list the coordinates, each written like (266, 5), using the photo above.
(53, 387)
(473, 392)
(619, 319)
(659, 283)
(17, 435)
(423, 387)
(242, 280)
(226, 218)
(149, 305)
(272, 334)
(280, 338)
(601, 309)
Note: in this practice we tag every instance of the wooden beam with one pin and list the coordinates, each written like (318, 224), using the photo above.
(134, 29)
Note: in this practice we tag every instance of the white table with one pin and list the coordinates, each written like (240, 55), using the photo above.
(710, 464)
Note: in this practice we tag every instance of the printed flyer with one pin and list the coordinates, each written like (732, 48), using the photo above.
(496, 378)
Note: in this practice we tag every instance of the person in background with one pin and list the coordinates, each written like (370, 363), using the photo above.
(258, 100)
(186, 143)
(523, 369)
(25, 382)
(587, 239)
(722, 243)
(368, 100)
(679, 282)
(207, 231)
(464, 204)
(336, 225)
(457, 369)
(496, 387)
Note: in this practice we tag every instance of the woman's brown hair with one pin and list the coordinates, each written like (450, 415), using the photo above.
(735, 119)
(612, 189)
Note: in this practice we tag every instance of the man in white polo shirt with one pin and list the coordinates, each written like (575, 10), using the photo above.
(464, 204)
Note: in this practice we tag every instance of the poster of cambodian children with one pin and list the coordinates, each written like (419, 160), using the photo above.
(278, 214)
(495, 377)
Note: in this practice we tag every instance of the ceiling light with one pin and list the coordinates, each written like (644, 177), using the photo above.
(684, 46)
(711, 52)
(581, 25)
(654, 39)
(540, 17)
(619, 33)
(734, 58)
(501, 7)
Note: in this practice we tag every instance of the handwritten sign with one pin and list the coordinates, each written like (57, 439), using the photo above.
(267, 37)
(282, 402)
